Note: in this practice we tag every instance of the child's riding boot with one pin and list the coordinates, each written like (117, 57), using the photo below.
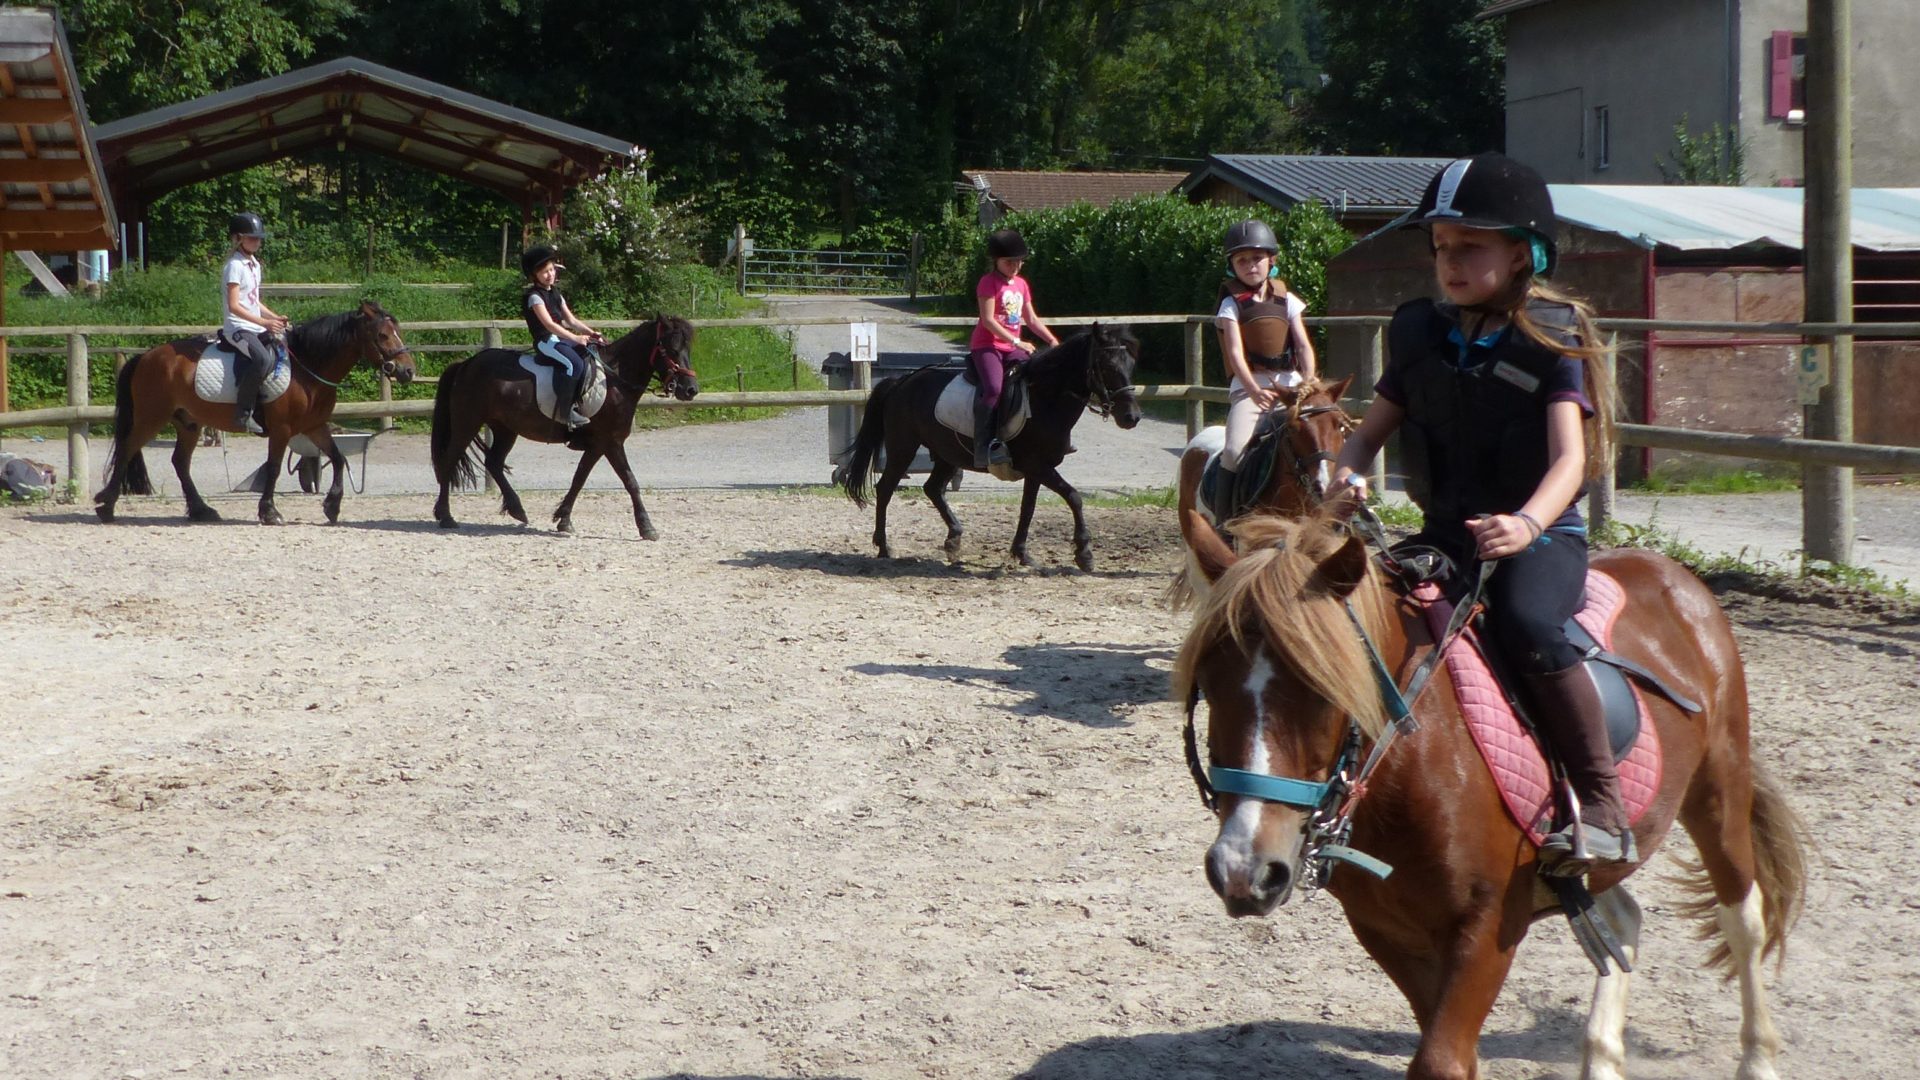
(1222, 502)
(1570, 714)
(247, 378)
(982, 432)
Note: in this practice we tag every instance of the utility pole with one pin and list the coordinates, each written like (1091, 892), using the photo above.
(1826, 493)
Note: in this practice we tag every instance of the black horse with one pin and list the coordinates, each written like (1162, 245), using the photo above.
(490, 389)
(1092, 369)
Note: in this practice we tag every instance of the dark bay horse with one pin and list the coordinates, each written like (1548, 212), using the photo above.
(156, 389)
(490, 389)
(1278, 654)
(1310, 429)
(1093, 368)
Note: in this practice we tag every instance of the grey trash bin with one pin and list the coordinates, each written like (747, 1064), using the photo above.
(842, 422)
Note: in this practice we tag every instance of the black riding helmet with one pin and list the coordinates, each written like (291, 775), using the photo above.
(537, 256)
(1250, 234)
(1006, 244)
(1492, 191)
(246, 223)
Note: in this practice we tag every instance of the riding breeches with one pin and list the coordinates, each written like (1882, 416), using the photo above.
(1243, 415)
(249, 347)
(991, 367)
(565, 355)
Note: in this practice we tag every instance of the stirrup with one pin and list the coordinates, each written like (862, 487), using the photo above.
(575, 420)
(1575, 849)
(997, 453)
(249, 424)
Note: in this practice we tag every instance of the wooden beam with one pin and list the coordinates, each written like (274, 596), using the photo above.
(42, 170)
(52, 222)
(15, 110)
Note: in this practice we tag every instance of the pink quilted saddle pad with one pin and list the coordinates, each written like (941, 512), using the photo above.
(1512, 755)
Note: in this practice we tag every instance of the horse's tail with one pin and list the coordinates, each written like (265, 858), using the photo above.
(136, 481)
(1780, 841)
(460, 469)
(856, 473)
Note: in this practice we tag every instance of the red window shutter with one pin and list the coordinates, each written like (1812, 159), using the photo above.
(1780, 93)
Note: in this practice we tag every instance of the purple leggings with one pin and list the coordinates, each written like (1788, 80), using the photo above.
(990, 366)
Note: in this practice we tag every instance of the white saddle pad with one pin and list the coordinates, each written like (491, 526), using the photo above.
(213, 376)
(955, 410)
(592, 395)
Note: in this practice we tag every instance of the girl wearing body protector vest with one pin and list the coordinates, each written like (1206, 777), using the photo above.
(1006, 309)
(558, 337)
(1503, 419)
(247, 325)
(1262, 340)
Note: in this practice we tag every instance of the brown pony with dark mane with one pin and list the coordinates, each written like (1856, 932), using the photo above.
(1277, 652)
(1311, 429)
(156, 389)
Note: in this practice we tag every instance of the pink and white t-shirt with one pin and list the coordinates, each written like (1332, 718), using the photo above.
(242, 270)
(1011, 298)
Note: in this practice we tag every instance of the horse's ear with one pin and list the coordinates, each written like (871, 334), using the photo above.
(1339, 390)
(1209, 551)
(1343, 571)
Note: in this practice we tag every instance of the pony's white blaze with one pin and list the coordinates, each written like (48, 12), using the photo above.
(1324, 475)
(1234, 846)
(1745, 928)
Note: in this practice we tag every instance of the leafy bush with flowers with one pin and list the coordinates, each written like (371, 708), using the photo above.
(620, 237)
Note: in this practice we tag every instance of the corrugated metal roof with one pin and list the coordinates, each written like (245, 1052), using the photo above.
(1723, 218)
(1021, 189)
(1369, 183)
(51, 193)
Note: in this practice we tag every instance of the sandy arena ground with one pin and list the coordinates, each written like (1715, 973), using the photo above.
(375, 799)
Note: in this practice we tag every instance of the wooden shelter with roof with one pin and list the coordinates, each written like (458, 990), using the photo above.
(529, 159)
(1362, 193)
(999, 192)
(50, 175)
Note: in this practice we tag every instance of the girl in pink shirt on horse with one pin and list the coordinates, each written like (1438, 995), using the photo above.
(1006, 309)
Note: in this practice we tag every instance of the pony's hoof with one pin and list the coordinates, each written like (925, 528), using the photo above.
(203, 513)
(448, 523)
(648, 532)
(562, 525)
(885, 552)
(1083, 558)
(516, 514)
(105, 512)
(332, 508)
(952, 546)
(271, 518)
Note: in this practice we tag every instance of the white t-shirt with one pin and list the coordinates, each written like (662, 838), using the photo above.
(242, 270)
(1230, 311)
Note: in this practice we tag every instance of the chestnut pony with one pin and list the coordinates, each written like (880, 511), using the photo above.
(156, 389)
(1308, 433)
(1278, 652)
(490, 389)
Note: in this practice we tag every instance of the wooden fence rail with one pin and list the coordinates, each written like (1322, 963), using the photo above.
(79, 413)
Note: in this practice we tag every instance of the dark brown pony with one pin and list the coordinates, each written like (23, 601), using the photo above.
(156, 389)
(1091, 369)
(1278, 655)
(490, 389)
(1311, 430)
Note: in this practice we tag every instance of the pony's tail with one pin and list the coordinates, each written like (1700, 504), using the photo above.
(1780, 841)
(856, 474)
(464, 475)
(135, 481)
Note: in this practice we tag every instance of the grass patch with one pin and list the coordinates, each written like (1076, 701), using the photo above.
(1756, 575)
(1717, 482)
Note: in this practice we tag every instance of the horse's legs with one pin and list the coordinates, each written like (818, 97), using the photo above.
(497, 448)
(462, 430)
(1603, 1054)
(1451, 995)
(276, 457)
(1029, 494)
(1082, 539)
(936, 489)
(883, 489)
(563, 514)
(323, 439)
(618, 458)
(186, 437)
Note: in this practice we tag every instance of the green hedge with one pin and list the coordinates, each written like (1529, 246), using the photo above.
(1156, 254)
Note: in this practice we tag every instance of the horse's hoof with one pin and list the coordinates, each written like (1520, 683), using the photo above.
(332, 508)
(273, 518)
(563, 525)
(203, 513)
(886, 552)
(648, 532)
(105, 512)
(1084, 560)
(516, 514)
(952, 546)
(448, 523)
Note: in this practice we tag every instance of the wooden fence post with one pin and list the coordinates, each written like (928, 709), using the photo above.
(386, 394)
(1372, 365)
(78, 466)
(740, 258)
(915, 251)
(1196, 409)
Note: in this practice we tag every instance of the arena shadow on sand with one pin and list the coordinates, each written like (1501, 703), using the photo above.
(1075, 682)
(971, 565)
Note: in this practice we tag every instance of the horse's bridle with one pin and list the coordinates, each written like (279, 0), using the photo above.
(387, 356)
(669, 370)
(1306, 467)
(1100, 396)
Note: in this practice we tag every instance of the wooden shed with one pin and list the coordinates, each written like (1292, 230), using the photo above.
(1694, 253)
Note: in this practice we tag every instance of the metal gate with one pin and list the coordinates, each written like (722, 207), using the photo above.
(787, 270)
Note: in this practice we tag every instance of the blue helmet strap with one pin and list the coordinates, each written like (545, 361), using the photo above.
(1535, 243)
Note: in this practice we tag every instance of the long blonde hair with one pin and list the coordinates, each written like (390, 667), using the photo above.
(1594, 350)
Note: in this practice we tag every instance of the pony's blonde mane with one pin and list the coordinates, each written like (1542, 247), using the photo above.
(1276, 597)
